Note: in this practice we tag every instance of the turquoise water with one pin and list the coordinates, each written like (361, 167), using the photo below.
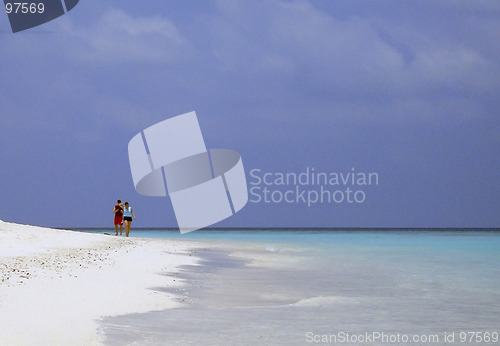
(297, 287)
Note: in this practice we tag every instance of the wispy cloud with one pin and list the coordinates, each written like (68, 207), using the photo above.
(350, 57)
(117, 37)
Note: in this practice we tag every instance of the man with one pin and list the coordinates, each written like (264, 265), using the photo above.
(118, 211)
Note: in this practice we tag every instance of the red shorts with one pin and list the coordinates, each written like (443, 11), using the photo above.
(119, 220)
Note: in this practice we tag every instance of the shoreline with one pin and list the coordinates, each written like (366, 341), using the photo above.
(281, 290)
(213, 290)
(56, 285)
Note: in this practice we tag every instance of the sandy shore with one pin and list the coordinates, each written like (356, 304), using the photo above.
(55, 285)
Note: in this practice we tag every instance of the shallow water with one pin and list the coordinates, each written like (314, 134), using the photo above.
(296, 287)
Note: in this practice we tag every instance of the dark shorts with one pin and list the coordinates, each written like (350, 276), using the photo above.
(118, 220)
(128, 218)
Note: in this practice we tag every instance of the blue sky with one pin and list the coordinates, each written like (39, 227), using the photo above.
(409, 90)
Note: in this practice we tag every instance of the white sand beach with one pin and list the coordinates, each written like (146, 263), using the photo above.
(55, 285)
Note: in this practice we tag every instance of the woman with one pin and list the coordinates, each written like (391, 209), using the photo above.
(127, 217)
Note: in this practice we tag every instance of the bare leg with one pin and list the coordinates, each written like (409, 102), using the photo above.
(127, 228)
(121, 230)
(116, 229)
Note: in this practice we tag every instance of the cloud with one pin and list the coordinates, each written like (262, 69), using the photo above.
(356, 58)
(99, 73)
(117, 38)
(290, 72)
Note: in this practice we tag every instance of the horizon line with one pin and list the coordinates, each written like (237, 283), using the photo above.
(302, 228)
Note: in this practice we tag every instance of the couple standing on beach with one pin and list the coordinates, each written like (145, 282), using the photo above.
(123, 214)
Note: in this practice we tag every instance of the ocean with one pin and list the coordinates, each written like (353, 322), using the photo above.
(319, 286)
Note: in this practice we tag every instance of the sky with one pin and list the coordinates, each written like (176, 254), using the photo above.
(407, 90)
